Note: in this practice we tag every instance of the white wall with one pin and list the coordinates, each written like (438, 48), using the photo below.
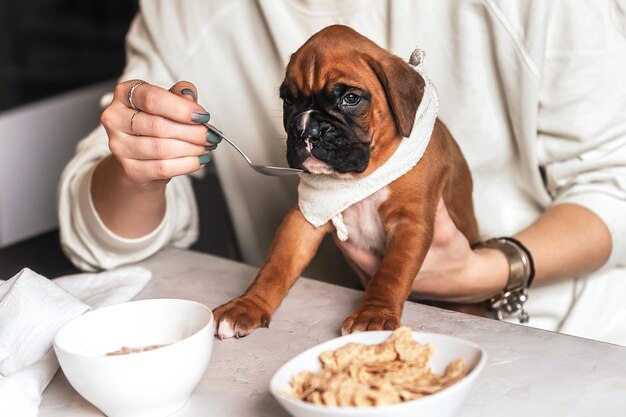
(36, 141)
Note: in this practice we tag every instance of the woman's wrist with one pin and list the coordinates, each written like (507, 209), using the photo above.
(482, 275)
(521, 271)
(487, 274)
(128, 209)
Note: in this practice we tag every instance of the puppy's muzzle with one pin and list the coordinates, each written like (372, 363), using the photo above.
(324, 145)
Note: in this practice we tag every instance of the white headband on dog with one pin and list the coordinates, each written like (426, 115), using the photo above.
(322, 198)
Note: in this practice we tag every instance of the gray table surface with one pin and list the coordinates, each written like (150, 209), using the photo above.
(529, 372)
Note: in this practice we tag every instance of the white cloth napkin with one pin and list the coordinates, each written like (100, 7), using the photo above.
(323, 198)
(32, 309)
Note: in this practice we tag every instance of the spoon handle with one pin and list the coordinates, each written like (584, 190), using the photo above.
(217, 132)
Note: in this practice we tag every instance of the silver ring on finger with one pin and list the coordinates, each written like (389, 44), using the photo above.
(132, 120)
(131, 91)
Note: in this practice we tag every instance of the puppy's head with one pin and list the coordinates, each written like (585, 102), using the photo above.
(346, 103)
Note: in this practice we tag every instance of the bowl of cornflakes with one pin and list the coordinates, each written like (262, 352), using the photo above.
(380, 373)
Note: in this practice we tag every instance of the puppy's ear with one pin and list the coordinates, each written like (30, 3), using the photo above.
(404, 89)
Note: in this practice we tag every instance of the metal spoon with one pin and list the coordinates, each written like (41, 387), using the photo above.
(262, 169)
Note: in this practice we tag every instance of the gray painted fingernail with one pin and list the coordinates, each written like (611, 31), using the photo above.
(189, 92)
(198, 117)
(212, 137)
(204, 159)
(211, 148)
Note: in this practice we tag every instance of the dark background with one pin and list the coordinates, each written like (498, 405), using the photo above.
(48, 47)
(52, 46)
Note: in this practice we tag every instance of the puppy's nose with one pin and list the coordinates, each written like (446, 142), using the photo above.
(312, 133)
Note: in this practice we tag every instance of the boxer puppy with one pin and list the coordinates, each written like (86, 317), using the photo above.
(348, 104)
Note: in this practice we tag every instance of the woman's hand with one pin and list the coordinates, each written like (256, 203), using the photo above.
(163, 138)
(451, 271)
(160, 139)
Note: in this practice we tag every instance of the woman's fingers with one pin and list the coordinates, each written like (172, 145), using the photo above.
(159, 101)
(145, 171)
(144, 124)
(186, 90)
(147, 147)
(156, 134)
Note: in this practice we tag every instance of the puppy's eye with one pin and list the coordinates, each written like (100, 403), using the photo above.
(350, 100)
(287, 101)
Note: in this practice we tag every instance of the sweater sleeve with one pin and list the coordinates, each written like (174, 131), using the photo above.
(582, 108)
(88, 243)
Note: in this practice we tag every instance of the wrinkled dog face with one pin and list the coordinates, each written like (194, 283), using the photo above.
(325, 131)
(346, 103)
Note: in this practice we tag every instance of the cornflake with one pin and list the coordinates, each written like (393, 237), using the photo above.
(391, 372)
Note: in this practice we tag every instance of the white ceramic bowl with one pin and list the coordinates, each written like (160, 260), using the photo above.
(441, 404)
(153, 383)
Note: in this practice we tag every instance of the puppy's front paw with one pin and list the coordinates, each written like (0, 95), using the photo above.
(370, 318)
(238, 318)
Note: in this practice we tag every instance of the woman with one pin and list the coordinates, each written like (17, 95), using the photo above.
(536, 104)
